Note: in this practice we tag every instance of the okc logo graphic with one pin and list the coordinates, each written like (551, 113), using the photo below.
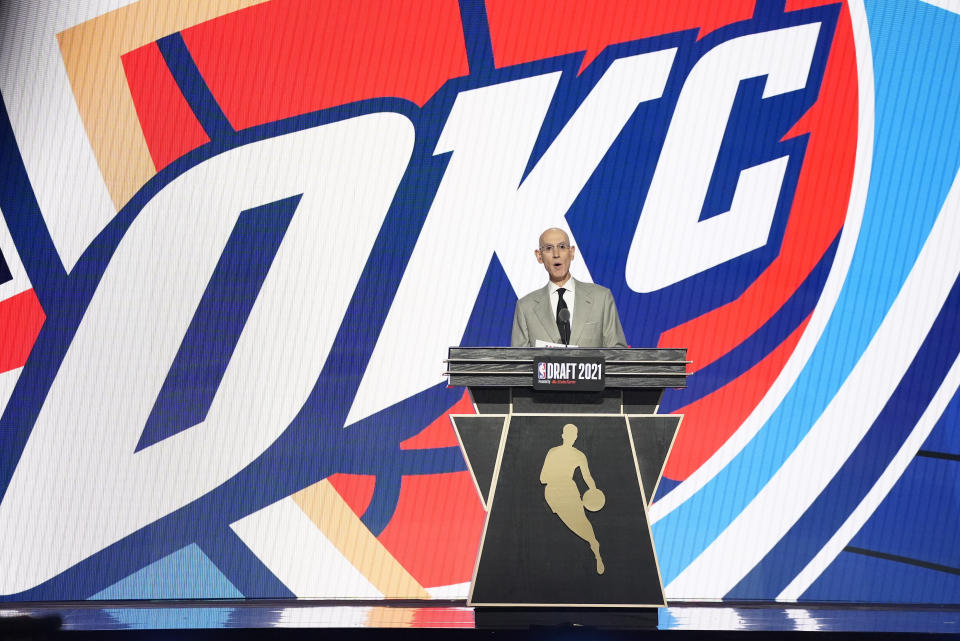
(241, 317)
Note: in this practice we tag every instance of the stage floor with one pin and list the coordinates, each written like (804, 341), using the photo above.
(251, 615)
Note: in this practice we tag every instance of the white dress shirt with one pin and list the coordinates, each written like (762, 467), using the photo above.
(567, 296)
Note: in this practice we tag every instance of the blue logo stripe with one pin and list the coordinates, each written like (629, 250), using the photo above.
(26, 224)
(5, 274)
(476, 35)
(242, 567)
(194, 88)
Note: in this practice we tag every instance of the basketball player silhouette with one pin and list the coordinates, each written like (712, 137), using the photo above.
(563, 495)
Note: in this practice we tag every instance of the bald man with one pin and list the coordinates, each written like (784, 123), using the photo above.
(592, 320)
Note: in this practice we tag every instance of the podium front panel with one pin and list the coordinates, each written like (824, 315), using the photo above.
(531, 556)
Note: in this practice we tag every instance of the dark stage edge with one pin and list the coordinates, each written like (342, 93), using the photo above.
(258, 619)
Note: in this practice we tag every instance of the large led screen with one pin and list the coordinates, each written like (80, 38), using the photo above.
(238, 237)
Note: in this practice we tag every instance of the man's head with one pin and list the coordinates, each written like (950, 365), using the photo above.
(555, 254)
(570, 433)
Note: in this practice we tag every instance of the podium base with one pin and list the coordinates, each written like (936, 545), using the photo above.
(512, 618)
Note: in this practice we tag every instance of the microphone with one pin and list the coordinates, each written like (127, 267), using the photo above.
(563, 316)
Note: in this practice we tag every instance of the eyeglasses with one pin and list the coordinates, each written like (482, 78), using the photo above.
(559, 246)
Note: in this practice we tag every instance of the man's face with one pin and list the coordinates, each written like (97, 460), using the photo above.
(556, 254)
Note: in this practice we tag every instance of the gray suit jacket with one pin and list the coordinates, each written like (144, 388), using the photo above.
(595, 319)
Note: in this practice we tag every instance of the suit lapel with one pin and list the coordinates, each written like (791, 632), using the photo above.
(547, 315)
(582, 310)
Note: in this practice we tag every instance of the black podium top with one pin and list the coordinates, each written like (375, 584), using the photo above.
(513, 366)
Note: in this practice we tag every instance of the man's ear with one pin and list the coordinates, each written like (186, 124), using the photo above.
(573, 253)
(536, 252)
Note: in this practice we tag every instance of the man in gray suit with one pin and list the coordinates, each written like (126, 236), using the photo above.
(566, 311)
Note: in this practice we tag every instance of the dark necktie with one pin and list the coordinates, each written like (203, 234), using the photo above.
(563, 325)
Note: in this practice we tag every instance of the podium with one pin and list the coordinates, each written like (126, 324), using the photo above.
(566, 475)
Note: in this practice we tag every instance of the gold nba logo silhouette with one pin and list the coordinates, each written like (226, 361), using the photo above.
(563, 495)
